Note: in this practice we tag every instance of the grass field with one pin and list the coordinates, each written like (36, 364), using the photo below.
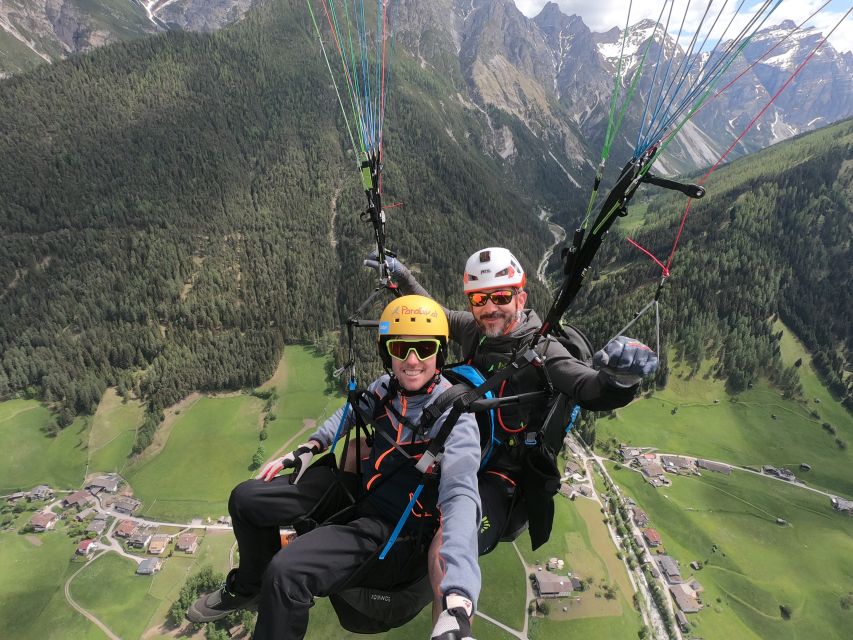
(113, 432)
(759, 565)
(211, 444)
(742, 430)
(28, 457)
(126, 606)
(32, 602)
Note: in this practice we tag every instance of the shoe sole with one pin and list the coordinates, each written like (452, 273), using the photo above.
(198, 616)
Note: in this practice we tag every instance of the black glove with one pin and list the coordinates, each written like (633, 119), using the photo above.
(454, 623)
(299, 459)
(626, 361)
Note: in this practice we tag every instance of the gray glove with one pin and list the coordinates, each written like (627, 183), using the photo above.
(626, 361)
(454, 623)
(393, 267)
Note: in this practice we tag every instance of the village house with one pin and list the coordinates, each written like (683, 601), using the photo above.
(717, 467)
(652, 537)
(140, 539)
(13, 498)
(640, 517)
(125, 529)
(669, 569)
(187, 542)
(842, 505)
(552, 586)
(149, 566)
(43, 521)
(97, 525)
(685, 598)
(629, 453)
(41, 492)
(573, 469)
(90, 511)
(158, 544)
(678, 464)
(79, 499)
(109, 484)
(86, 547)
(126, 505)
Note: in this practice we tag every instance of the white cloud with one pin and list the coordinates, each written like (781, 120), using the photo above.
(601, 15)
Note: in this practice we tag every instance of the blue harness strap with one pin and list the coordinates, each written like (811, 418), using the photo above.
(402, 521)
(472, 375)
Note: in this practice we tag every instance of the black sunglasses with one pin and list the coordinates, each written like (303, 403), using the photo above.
(500, 298)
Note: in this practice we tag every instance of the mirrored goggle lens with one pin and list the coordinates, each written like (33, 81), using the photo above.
(424, 349)
(480, 298)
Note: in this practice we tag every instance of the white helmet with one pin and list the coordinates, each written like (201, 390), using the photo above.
(491, 268)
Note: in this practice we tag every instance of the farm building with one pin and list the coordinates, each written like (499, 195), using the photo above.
(43, 521)
(149, 566)
(845, 506)
(685, 598)
(103, 483)
(669, 568)
(717, 467)
(187, 542)
(552, 586)
(79, 499)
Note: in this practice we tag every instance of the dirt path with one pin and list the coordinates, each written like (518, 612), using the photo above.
(80, 609)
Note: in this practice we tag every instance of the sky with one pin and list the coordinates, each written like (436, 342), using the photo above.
(602, 15)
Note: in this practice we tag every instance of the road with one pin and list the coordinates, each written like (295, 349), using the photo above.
(651, 616)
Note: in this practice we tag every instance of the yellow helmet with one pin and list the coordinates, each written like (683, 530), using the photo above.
(413, 316)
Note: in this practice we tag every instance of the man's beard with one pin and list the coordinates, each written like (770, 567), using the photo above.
(495, 331)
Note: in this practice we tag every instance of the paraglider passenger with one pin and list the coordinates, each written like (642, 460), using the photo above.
(322, 560)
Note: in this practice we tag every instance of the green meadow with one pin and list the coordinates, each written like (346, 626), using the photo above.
(32, 600)
(113, 432)
(28, 457)
(742, 430)
(210, 444)
(758, 565)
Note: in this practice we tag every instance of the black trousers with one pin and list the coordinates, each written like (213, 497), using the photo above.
(318, 562)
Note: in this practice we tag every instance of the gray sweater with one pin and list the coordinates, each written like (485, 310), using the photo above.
(458, 495)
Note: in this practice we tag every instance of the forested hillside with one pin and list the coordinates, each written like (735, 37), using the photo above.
(173, 210)
(773, 236)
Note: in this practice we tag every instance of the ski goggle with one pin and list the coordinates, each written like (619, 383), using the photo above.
(500, 298)
(424, 349)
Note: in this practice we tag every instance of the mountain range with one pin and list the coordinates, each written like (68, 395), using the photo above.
(551, 71)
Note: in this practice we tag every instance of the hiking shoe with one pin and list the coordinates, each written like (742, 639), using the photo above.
(218, 604)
